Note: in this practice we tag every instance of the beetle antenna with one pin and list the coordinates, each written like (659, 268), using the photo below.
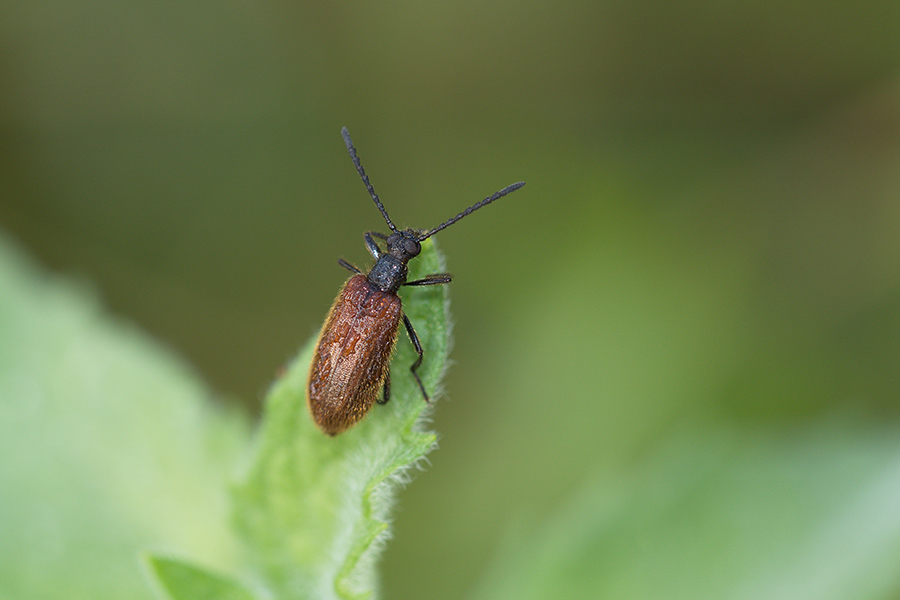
(365, 178)
(471, 209)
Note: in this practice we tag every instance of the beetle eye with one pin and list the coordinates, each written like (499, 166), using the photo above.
(411, 247)
(392, 239)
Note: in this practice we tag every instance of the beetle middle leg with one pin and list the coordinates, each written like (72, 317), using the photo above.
(349, 267)
(435, 279)
(415, 341)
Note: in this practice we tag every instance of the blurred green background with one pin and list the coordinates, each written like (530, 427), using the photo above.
(709, 232)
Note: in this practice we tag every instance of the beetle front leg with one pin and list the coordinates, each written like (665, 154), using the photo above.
(372, 245)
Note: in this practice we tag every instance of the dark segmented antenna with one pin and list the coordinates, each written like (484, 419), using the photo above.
(471, 209)
(365, 178)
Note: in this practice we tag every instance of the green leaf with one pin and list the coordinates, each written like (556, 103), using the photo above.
(181, 581)
(110, 446)
(808, 513)
(313, 510)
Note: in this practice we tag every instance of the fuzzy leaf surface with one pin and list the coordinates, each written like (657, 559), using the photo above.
(312, 510)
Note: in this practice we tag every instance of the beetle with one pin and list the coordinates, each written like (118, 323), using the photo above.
(351, 363)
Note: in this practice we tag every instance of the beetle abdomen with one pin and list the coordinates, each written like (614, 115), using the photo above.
(353, 355)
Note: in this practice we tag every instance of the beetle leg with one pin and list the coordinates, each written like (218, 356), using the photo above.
(435, 279)
(372, 245)
(387, 390)
(348, 266)
(415, 341)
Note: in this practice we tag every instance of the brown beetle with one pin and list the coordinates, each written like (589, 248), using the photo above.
(353, 354)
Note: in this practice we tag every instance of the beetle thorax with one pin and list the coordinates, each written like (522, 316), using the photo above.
(390, 270)
(388, 273)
